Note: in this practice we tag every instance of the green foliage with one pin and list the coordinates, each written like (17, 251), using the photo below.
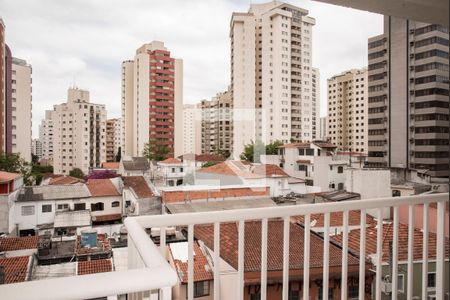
(34, 159)
(253, 151)
(12, 163)
(154, 150)
(209, 164)
(272, 148)
(77, 173)
(41, 169)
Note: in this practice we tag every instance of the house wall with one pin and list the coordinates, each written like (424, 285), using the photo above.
(6, 212)
(107, 201)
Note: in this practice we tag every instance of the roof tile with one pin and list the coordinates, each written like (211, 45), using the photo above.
(18, 243)
(16, 268)
(94, 266)
(102, 187)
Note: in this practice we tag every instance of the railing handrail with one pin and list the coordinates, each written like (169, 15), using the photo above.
(283, 211)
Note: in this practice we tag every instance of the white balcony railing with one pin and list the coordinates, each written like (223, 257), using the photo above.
(149, 272)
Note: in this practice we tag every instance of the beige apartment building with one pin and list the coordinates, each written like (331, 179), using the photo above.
(409, 97)
(217, 124)
(152, 100)
(113, 138)
(21, 108)
(46, 135)
(192, 129)
(347, 110)
(79, 133)
(272, 75)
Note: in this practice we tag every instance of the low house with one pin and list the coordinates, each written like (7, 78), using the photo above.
(371, 249)
(252, 261)
(196, 161)
(10, 184)
(139, 198)
(203, 274)
(106, 200)
(172, 171)
(134, 166)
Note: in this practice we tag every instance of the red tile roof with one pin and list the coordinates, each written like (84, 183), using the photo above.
(64, 180)
(245, 170)
(94, 266)
(7, 176)
(209, 157)
(388, 233)
(336, 219)
(102, 188)
(252, 252)
(181, 196)
(139, 186)
(171, 161)
(107, 218)
(220, 168)
(202, 270)
(16, 268)
(111, 165)
(18, 243)
(269, 170)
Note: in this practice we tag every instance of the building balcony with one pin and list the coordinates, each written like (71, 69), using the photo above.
(151, 276)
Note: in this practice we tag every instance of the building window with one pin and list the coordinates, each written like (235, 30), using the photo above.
(401, 283)
(115, 204)
(340, 169)
(340, 186)
(310, 152)
(330, 293)
(97, 206)
(62, 207)
(46, 208)
(294, 295)
(255, 296)
(79, 206)
(431, 280)
(201, 289)
(27, 210)
(353, 292)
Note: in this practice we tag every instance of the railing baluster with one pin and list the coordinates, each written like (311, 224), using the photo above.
(440, 244)
(395, 256)
(264, 259)
(306, 250)
(286, 228)
(362, 255)
(425, 253)
(162, 241)
(241, 250)
(216, 261)
(410, 253)
(344, 256)
(190, 262)
(326, 256)
(379, 253)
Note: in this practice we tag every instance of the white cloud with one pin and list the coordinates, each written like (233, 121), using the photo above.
(85, 42)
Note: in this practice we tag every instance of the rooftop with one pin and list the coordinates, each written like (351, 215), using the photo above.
(7, 176)
(202, 157)
(245, 170)
(136, 164)
(171, 161)
(53, 192)
(176, 208)
(94, 266)
(179, 254)
(139, 186)
(336, 219)
(16, 268)
(110, 165)
(102, 188)
(18, 243)
(60, 180)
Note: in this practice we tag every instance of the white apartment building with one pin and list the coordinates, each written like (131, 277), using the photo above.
(192, 129)
(79, 133)
(272, 75)
(152, 100)
(36, 148)
(21, 108)
(46, 135)
(113, 138)
(348, 110)
(322, 128)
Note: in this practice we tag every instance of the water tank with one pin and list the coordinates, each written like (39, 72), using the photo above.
(89, 238)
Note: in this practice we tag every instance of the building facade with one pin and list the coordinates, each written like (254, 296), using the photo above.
(3, 68)
(36, 148)
(192, 129)
(79, 133)
(409, 97)
(347, 111)
(113, 138)
(272, 75)
(46, 135)
(21, 104)
(323, 129)
(217, 124)
(152, 100)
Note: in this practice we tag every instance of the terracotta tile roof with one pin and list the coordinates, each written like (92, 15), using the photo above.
(171, 161)
(388, 233)
(16, 268)
(244, 170)
(111, 165)
(336, 219)
(324, 145)
(295, 145)
(269, 170)
(18, 243)
(64, 180)
(94, 266)
(303, 161)
(252, 251)
(202, 157)
(202, 269)
(107, 218)
(181, 196)
(139, 186)
(101, 188)
(7, 176)
(220, 168)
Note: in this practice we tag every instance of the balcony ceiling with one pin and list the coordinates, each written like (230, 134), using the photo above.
(428, 11)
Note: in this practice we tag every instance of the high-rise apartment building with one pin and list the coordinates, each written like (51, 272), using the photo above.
(3, 93)
(409, 97)
(315, 105)
(192, 129)
(323, 129)
(347, 110)
(21, 107)
(79, 133)
(272, 75)
(46, 135)
(113, 138)
(152, 100)
(36, 148)
(217, 124)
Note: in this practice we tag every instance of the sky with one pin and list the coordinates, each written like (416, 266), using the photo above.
(83, 43)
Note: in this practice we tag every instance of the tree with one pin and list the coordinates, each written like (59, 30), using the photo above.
(253, 151)
(12, 163)
(77, 173)
(154, 150)
(209, 164)
(34, 159)
(119, 154)
(272, 148)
